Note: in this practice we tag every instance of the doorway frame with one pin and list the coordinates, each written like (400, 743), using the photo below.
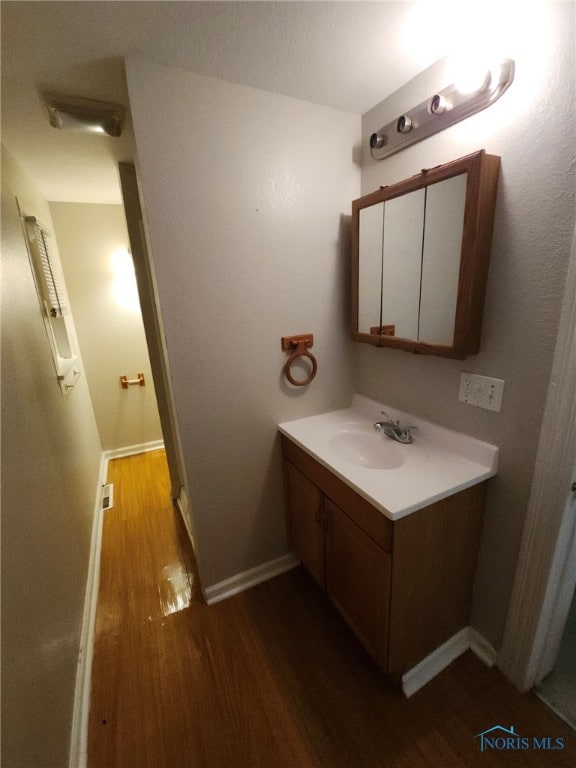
(155, 339)
(545, 582)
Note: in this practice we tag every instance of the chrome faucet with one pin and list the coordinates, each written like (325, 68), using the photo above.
(392, 429)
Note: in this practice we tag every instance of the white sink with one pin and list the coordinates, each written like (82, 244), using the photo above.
(361, 445)
(397, 479)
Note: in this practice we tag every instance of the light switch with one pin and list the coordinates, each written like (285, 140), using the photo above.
(482, 391)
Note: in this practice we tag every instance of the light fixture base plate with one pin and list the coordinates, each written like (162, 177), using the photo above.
(440, 111)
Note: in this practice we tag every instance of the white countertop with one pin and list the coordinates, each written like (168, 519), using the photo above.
(438, 463)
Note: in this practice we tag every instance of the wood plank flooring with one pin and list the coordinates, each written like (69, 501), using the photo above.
(271, 678)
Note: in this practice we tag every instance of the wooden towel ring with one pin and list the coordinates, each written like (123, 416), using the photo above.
(301, 344)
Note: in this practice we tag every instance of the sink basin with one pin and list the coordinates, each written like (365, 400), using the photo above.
(367, 448)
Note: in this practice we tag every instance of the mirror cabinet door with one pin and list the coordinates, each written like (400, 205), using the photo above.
(420, 258)
(370, 267)
(401, 260)
(441, 251)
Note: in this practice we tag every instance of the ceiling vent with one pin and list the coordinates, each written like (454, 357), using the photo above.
(73, 113)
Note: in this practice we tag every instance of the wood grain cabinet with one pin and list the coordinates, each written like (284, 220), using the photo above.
(404, 586)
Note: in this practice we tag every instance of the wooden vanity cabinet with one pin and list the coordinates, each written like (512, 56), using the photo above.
(403, 587)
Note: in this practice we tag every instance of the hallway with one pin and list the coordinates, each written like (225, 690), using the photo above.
(270, 678)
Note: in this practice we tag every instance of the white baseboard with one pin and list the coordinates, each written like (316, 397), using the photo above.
(482, 648)
(435, 662)
(79, 734)
(131, 450)
(247, 579)
(467, 639)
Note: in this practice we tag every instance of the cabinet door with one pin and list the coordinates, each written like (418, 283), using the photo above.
(306, 522)
(358, 575)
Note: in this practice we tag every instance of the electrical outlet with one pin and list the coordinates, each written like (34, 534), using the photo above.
(481, 391)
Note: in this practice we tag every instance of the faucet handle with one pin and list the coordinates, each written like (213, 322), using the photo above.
(390, 419)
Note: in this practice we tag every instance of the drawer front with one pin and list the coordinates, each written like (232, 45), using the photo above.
(369, 519)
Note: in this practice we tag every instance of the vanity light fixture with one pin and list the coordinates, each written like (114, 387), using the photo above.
(73, 113)
(443, 109)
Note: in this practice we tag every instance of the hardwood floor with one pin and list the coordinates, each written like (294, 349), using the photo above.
(270, 678)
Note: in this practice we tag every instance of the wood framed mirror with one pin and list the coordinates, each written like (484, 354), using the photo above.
(420, 256)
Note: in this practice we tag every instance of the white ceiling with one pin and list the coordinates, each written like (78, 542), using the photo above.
(347, 55)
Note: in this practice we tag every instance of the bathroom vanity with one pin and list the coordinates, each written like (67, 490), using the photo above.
(392, 536)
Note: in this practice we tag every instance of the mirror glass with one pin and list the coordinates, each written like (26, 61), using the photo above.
(401, 263)
(441, 251)
(409, 262)
(370, 268)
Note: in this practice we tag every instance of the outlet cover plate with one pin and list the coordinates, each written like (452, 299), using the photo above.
(481, 391)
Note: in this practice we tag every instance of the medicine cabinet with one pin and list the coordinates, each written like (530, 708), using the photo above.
(421, 250)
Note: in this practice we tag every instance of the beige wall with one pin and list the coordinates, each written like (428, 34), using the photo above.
(93, 244)
(50, 463)
(247, 195)
(532, 129)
